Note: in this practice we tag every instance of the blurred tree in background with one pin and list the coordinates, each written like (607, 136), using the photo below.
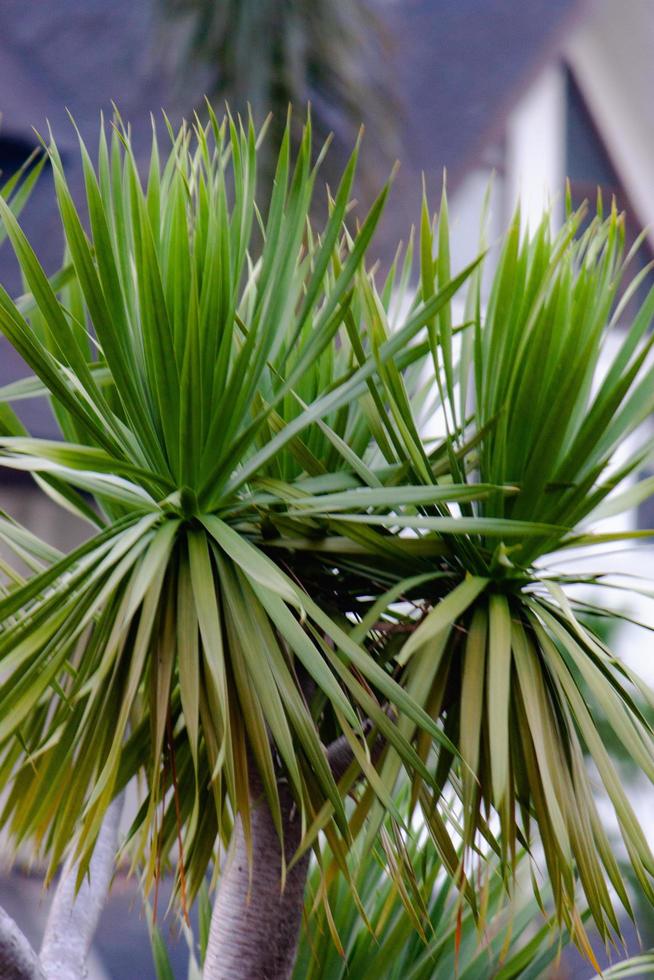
(268, 55)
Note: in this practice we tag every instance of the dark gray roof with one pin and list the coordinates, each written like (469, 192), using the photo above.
(461, 66)
(80, 55)
(457, 66)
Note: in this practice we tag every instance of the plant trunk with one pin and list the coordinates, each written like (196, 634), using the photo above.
(74, 915)
(18, 961)
(255, 924)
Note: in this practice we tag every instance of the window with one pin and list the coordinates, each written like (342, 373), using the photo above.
(14, 151)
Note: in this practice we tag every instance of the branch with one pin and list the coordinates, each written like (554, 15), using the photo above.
(18, 960)
(73, 917)
(256, 916)
(340, 755)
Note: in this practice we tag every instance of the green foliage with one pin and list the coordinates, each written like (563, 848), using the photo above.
(205, 364)
(636, 966)
(504, 662)
(280, 556)
(377, 925)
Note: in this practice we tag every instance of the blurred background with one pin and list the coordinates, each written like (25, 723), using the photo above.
(526, 91)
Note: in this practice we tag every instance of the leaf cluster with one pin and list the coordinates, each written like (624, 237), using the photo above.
(281, 557)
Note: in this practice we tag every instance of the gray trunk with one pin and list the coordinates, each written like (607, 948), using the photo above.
(74, 915)
(18, 961)
(255, 925)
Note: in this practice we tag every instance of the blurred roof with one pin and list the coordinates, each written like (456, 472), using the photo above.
(79, 55)
(462, 66)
